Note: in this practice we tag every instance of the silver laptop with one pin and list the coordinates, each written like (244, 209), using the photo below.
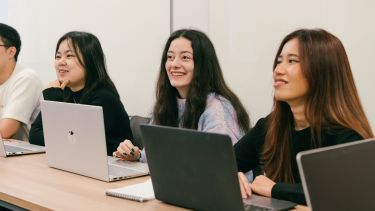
(340, 177)
(10, 147)
(75, 141)
(198, 170)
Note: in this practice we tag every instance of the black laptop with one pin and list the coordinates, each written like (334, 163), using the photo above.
(198, 170)
(340, 177)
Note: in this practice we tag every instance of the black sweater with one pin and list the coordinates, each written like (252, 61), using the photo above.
(116, 120)
(249, 149)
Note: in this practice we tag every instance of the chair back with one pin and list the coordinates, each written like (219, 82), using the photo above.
(135, 121)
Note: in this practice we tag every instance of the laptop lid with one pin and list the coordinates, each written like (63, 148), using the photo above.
(194, 169)
(339, 177)
(75, 141)
(10, 147)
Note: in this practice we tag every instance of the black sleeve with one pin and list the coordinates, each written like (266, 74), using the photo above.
(289, 192)
(248, 148)
(36, 132)
(36, 135)
(116, 120)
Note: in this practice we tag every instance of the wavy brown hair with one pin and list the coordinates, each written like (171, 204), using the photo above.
(332, 101)
(208, 77)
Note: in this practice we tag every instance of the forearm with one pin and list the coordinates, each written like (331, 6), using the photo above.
(9, 127)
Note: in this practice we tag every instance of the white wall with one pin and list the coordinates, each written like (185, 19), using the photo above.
(246, 35)
(132, 34)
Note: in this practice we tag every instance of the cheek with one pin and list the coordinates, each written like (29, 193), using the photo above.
(167, 66)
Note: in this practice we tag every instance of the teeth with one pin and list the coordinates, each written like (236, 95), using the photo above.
(176, 74)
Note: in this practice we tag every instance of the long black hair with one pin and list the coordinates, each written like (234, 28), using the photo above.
(208, 77)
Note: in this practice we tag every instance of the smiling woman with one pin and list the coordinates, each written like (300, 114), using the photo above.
(311, 77)
(191, 92)
(82, 78)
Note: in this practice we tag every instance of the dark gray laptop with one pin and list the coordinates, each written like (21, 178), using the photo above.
(340, 177)
(198, 170)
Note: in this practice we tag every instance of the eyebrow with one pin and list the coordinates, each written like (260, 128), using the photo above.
(181, 52)
(289, 55)
(67, 51)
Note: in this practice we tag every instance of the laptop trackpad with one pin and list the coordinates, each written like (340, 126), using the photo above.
(116, 171)
(257, 202)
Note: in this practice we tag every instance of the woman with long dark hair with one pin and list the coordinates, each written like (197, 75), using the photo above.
(316, 104)
(191, 92)
(82, 77)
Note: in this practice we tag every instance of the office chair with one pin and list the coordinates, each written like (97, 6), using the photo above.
(135, 121)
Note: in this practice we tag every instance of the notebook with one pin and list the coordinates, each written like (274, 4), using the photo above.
(198, 171)
(75, 141)
(339, 177)
(138, 192)
(10, 147)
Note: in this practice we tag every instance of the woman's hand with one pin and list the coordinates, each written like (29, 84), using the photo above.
(57, 84)
(262, 185)
(127, 151)
(244, 185)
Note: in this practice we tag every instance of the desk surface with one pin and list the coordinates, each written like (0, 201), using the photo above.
(27, 181)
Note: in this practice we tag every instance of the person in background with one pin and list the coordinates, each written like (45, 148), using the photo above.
(20, 88)
(191, 92)
(82, 78)
(316, 104)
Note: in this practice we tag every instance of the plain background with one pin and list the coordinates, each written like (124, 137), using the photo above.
(132, 34)
(245, 33)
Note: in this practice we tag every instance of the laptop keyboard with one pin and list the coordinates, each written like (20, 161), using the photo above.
(13, 149)
(250, 207)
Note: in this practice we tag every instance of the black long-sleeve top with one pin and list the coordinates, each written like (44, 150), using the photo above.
(248, 152)
(116, 120)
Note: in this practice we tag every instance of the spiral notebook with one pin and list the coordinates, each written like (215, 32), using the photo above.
(138, 192)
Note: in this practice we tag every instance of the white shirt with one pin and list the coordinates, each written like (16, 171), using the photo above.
(20, 98)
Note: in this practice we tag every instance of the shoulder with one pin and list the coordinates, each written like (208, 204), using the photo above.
(27, 74)
(104, 95)
(218, 103)
(260, 127)
(341, 135)
(24, 80)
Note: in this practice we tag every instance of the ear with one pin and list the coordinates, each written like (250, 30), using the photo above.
(12, 51)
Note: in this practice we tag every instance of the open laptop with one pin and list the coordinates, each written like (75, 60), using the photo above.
(10, 147)
(340, 177)
(198, 170)
(75, 141)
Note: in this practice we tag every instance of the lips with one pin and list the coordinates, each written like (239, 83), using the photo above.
(174, 73)
(63, 71)
(279, 82)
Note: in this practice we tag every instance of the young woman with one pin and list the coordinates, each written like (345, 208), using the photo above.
(316, 104)
(191, 92)
(82, 78)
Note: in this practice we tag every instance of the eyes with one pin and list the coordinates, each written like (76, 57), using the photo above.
(288, 60)
(184, 57)
(68, 56)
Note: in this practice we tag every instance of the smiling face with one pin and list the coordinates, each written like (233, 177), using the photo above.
(68, 67)
(289, 82)
(180, 65)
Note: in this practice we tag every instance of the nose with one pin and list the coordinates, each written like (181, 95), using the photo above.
(61, 61)
(176, 63)
(279, 69)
